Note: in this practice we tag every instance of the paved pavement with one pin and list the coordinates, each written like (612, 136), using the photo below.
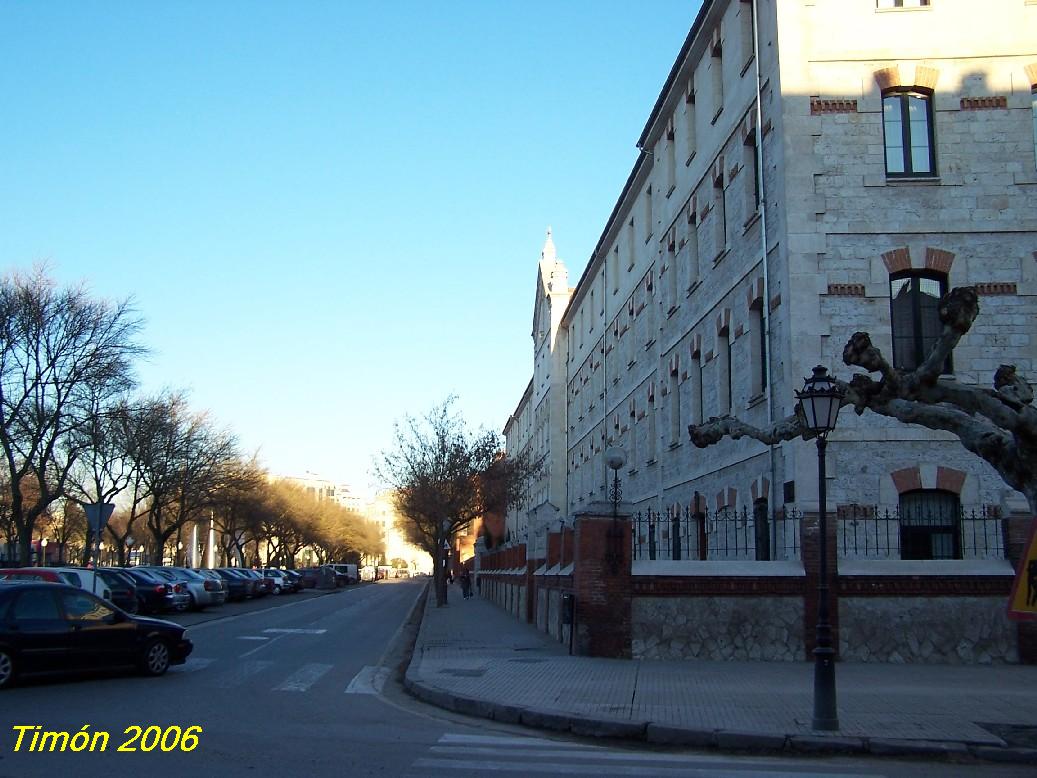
(474, 658)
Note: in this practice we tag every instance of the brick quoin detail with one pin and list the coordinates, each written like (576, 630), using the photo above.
(887, 78)
(949, 479)
(1031, 73)
(846, 290)
(983, 103)
(995, 289)
(776, 300)
(939, 260)
(926, 76)
(897, 260)
(907, 480)
(819, 106)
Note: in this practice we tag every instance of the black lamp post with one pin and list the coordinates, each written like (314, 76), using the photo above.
(820, 399)
(615, 458)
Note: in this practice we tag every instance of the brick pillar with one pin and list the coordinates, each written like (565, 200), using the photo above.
(602, 597)
(810, 550)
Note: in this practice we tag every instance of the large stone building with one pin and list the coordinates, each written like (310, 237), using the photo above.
(810, 168)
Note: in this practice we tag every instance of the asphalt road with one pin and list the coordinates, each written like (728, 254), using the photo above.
(290, 686)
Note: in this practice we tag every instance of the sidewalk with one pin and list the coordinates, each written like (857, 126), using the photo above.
(473, 658)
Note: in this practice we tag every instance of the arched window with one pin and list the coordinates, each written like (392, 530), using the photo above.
(914, 299)
(929, 525)
(907, 122)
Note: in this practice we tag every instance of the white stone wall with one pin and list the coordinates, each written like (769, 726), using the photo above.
(717, 628)
(934, 630)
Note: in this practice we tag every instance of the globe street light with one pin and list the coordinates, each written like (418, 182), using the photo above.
(615, 458)
(43, 545)
(821, 399)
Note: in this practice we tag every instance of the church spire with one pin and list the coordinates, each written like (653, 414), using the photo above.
(548, 253)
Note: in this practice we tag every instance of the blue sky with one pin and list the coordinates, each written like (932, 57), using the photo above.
(328, 213)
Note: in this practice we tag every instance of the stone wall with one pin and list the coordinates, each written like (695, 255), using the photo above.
(959, 630)
(718, 628)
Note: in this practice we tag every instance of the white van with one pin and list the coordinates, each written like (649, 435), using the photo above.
(84, 579)
(350, 571)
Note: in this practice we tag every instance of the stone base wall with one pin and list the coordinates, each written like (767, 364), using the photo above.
(764, 628)
(934, 630)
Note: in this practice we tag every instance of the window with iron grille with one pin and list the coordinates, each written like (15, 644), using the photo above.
(929, 525)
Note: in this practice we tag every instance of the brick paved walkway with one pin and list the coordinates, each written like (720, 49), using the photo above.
(473, 657)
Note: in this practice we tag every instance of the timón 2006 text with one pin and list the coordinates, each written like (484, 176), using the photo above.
(33, 738)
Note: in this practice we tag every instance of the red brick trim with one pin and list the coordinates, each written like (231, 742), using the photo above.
(907, 480)
(759, 488)
(739, 331)
(819, 106)
(754, 295)
(776, 300)
(897, 260)
(846, 290)
(696, 346)
(983, 103)
(995, 288)
(949, 479)
(724, 322)
(939, 260)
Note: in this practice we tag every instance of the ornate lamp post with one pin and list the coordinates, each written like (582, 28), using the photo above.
(615, 458)
(820, 401)
(43, 550)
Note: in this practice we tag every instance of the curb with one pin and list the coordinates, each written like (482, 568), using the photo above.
(719, 739)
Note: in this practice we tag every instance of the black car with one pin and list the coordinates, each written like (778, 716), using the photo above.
(56, 628)
(238, 587)
(154, 594)
(122, 588)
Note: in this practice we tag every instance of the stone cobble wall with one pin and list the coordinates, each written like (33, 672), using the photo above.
(718, 628)
(934, 630)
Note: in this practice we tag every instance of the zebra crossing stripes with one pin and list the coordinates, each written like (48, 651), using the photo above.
(241, 672)
(303, 678)
(485, 754)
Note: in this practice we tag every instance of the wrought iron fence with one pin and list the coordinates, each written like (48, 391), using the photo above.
(920, 532)
(727, 534)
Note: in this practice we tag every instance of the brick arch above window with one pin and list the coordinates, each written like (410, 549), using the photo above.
(897, 260)
(754, 295)
(929, 477)
(925, 77)
(939, 260)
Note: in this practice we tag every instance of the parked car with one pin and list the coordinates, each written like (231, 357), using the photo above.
(201, 591)
(349, 572)
(156, 594)
(309, 576)
(239, 587)
(295, 579)
(281, 582)
(264, 586)
(75, 576)
(124, 590)
(32, 574)
(56, 628)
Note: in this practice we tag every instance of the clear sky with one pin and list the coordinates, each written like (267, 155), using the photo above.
(328, 213)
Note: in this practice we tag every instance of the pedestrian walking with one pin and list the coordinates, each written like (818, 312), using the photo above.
(466, 584)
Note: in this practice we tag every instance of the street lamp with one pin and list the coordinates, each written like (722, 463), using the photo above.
(43, 546)
(821, 399)
(100, 553)
(615, 458)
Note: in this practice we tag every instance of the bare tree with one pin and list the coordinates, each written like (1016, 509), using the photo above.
(444, 476)
(999, 425)
(61, 352)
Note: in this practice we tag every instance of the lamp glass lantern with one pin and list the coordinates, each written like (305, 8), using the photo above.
(821, 398)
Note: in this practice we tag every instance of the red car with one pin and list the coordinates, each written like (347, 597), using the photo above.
(32, 574)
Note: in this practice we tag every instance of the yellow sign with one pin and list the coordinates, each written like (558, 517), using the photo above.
(1022, 604)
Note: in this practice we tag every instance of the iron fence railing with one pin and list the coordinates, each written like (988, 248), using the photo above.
(726, 534)
(921, 532)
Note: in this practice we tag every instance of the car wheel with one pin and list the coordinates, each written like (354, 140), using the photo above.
(155, 659)
(6, 668)
(277, 590)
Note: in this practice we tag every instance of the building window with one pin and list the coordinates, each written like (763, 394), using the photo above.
(614, 269)
(698, 403)
(1033, 107)
(901, 3)
(689, 121)
(631, 246)
(929, 520)
(670, 271)
(914, 315)
(751, 162)
(691, 249)
(719, 214)
(758, 349)
(649, 218)
(907, 121)
(675, 401)
(716, 72)
(671, 160)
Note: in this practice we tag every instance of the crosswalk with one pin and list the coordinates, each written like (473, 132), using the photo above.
(465, 754)
(259, 674)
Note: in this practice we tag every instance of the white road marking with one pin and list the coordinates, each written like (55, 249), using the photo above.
(370, 680)
(274, 630)
(716, 771)
(491, 740)
(303, 678)
(241, 673)
(252, 637)
(191, 665)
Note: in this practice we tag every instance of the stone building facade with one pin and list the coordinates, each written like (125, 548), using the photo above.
(810, 168)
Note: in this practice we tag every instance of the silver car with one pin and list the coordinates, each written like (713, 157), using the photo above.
(202, 590)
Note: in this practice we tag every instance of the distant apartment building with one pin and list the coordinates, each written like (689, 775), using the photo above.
(810, 168)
